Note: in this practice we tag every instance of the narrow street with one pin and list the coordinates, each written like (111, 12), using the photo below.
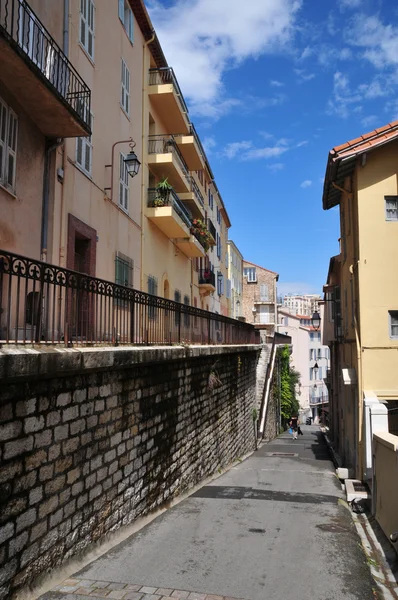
(271, 528)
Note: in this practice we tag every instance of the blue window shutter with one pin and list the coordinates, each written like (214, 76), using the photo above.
(121, 10)
(131, 26)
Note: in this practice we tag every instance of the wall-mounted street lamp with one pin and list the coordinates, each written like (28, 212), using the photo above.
(316, 320)
(254, 311)
(131, 161)
(316, 368)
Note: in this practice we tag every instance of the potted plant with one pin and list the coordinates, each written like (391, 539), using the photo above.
(162, 192)
(200, 231)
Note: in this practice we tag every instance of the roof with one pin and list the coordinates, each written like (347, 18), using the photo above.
(287, 313)
(342, 160)
(145, 24)
(264, 269)
(232, 243)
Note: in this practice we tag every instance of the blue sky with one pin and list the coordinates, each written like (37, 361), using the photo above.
(272, 86)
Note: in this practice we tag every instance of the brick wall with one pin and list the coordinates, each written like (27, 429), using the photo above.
(91, 439)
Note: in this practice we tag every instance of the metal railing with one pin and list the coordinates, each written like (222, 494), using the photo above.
(259, 297)
(211, 228)
(24, 30)
(199, 143)
(165, 144)
(155, 199)
(166, 75)
(197, 192)
(41, 303)
(207, 277)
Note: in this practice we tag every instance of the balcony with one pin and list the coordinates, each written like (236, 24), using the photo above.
(207, 282)
(165, 160)
(36, 71)
(260, 298)
(212, 230)
(191, 149)
(167, 99)
(194, 200)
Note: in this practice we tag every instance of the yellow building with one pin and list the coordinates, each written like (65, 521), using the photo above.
(361, 323)
(235, 275)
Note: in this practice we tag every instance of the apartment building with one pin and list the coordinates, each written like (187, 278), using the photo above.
(259, 297)
(361, 324)
(235, 276)
(305, 304)
(311, 359)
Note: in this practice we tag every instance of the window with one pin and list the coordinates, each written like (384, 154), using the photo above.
(228, 288)
(264, 292)
(391, 208)
(250, 273)
(152, 289)
(220, 283)
(211, 200)
(87, 26)
(218, 246)
(125, 91)
(311, 373)
(126, 17)
(393, 317)
(124, 270)
(84, 151)
(123, 184)
(8, 146)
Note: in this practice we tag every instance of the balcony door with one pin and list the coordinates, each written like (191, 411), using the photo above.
(264, 314)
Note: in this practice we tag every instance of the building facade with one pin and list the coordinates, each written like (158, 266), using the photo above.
(235, 276)
(361, 325)
(302, 305)
(259, 297)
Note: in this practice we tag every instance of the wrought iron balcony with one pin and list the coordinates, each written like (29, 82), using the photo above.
(207, 277)
(155, 200)
(167, 99)
(211, 228)
(197, 192)
(37, 72)
(165, 160)
(166, 75)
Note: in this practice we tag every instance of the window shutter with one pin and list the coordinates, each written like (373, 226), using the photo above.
(12, 148)
(121, 10)
(3, 137)
(131, 26)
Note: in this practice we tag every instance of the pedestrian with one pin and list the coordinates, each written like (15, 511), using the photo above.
(295, 431)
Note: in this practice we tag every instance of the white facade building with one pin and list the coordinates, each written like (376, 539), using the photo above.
(304, 305)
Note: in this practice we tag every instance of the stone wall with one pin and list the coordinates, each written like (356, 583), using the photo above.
(91, 439)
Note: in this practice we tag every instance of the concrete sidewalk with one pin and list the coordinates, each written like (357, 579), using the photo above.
(272, 528)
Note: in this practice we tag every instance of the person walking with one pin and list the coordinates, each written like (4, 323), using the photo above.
(293, 427)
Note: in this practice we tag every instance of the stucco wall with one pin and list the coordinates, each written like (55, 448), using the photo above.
(92, 439)
(386, 473)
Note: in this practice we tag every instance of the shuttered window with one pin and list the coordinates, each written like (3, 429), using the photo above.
(8, 146)
(87, 21)
(126, 17)
(391, 208)
(152, 289)
(84, 151)
(125, 91)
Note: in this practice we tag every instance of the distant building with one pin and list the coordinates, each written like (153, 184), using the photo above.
(305, 304)
(259, 297)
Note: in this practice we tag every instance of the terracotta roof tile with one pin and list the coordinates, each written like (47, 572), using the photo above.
(366, 141)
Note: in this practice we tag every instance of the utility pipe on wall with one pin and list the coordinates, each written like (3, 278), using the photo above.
(66, 28)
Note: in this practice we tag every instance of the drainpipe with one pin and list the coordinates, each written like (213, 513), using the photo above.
(66, 28)
(144, 150)
(46, 196)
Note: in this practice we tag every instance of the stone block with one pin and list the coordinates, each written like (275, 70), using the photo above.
(30, 554)
(33, 424)
(70, 446)
(61, 433)
(6, 412)
(39, 530)
(10, 430)
(48, 507)
(25, 520)
(80, 395)
(54, 451)
(10, 471)
(56, 518)
(6, 532)
(70, 414)
(53, 418)
(104, 391)
(95, 492)
(73, 475)
(44, 438)
(35, 460)
(8, 571)
(64, 399)
(36, 495)
(46, 472)
(17, 447)
(26, 407)
(55, 485)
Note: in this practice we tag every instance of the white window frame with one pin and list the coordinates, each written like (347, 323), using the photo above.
(251, 274)
(388, 199)
(127, 18)
(86, 144)
(125, 89)
(9, 146)
(87, 24)
(123, 183)
(393, 315)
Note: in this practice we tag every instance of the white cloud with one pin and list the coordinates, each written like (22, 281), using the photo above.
(303, 75)
(346, 100)
(209, 143)
(369, 121)
(246, 150)
(275, 167)
(203, 38)
(306, 184)
(301, 144)
(276, 83)
(344, 4)
(380, 42)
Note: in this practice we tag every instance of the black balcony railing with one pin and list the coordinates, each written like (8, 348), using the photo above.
(165, 144)
(41, 303)
(197, 139)
(211, 228)
(207, 277)
(166, 75)
(170, 198)
(197, 192)
(24, 31)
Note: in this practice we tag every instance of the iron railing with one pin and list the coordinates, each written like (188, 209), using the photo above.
(264, 297)
(165, 144)
(211, 228)
(155, 199)
(166, 75)
(207, 277)
(199, 143)
(197, 192)
(41, 303)
(27, 34)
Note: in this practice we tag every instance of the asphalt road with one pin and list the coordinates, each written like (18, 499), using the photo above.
(272, 528)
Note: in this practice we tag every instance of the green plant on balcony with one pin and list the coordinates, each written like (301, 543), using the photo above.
(200, 231)
(163, 189)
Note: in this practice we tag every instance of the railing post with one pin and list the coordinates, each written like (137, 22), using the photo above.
(179, 324)
(209, 330)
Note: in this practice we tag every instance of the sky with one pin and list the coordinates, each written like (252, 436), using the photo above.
(272, 86)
